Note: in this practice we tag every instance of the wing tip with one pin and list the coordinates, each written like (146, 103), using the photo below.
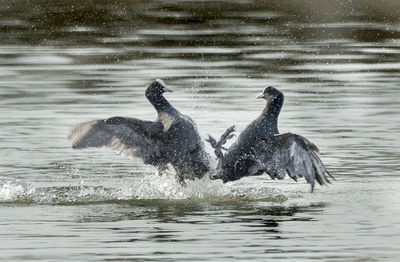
(79, 132)
(330, 175)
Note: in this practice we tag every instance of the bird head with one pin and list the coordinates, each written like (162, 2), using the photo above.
(270, 93)
(158, 87)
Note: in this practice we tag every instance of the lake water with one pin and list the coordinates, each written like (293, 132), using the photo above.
(66, 62)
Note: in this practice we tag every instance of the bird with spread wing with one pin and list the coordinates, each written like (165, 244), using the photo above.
(260, 148)
(171, 139)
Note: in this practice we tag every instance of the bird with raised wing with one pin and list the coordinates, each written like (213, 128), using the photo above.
(261, 149)
(171, 139)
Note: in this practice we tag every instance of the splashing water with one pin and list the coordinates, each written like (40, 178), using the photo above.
(12, 190)
(150, 187)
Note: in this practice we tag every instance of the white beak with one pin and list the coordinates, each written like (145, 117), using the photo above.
(260, 95)
(167, 89)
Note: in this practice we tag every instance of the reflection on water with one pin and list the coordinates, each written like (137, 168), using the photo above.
(66, 62)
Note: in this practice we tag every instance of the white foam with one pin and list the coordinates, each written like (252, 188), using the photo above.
(11, 190)
(149, 187)
(167, 187)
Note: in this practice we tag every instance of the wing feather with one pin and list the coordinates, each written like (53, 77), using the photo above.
(129, 137)
(293, 155)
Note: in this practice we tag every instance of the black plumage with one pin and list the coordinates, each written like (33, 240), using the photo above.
(171, 139)
(261, 149)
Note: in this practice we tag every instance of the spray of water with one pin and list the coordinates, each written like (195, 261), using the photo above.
(13, 190)
(148, 187)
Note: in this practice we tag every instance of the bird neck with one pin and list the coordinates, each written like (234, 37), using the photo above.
(270, 115)
(160, 103)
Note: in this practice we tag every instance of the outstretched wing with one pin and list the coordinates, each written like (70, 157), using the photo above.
(130, 137)
(290, 154)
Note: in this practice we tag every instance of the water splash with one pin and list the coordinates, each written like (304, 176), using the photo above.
(166, 187)
(15, 190)
(150, 187)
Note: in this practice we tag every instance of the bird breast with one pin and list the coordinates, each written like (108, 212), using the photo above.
(167, 120)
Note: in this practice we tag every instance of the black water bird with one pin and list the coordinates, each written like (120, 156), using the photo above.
(171, 139)
(261, 149)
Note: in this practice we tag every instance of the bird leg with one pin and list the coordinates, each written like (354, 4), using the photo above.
(218, 145)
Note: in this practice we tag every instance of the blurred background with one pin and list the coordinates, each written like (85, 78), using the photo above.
(66, 62)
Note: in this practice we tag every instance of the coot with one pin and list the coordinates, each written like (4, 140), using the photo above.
(171, 139)
(261, 149)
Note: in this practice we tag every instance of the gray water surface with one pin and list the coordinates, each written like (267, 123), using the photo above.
(66, 62)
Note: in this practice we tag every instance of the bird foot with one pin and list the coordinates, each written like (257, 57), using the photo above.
(218, 145)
